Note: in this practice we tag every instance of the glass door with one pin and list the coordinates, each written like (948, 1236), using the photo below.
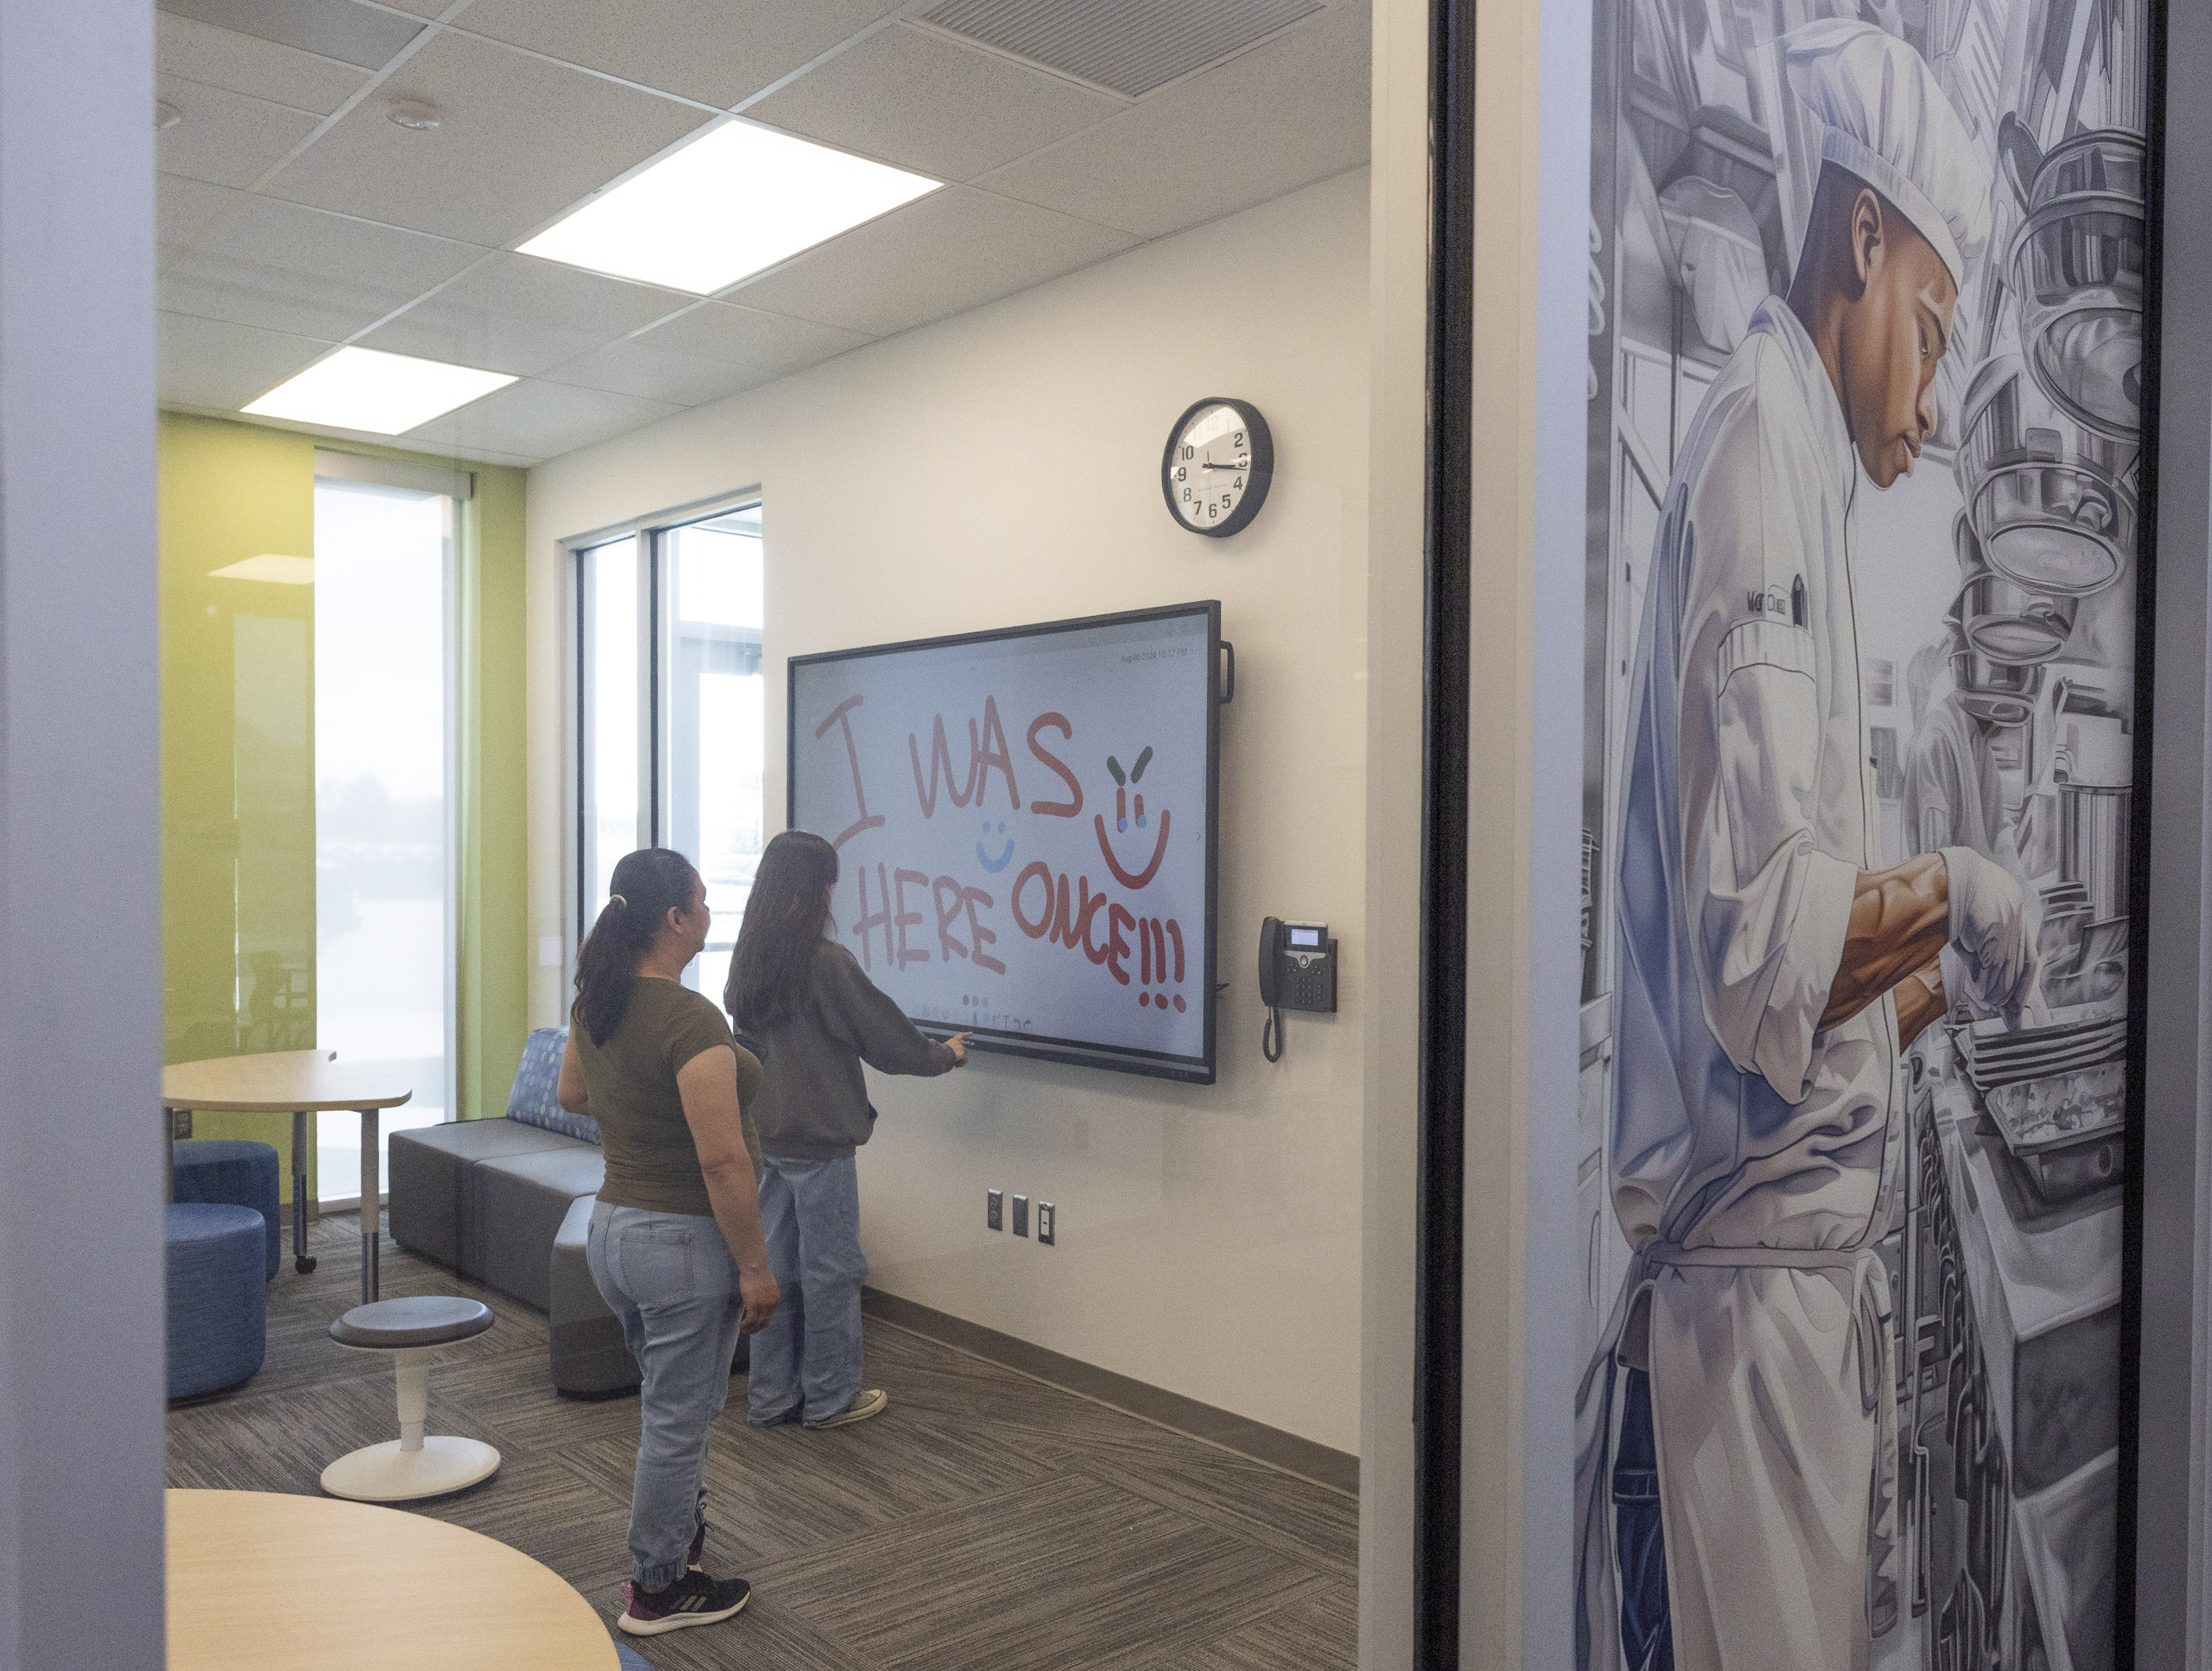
(384, 751)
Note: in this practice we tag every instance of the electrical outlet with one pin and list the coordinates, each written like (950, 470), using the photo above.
(1044, 1224)
(1021, 1215)
(181, 1121)
(994, 1215)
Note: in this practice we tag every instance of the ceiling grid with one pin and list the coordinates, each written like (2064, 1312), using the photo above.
(295, 217)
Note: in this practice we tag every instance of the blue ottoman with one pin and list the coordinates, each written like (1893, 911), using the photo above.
(239, 1175)
(218, 1304)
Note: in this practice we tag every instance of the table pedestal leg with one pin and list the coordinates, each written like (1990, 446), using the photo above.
(303, 1130)
(371, 1212)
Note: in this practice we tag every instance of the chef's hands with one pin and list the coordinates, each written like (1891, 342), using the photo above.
(1990, 958)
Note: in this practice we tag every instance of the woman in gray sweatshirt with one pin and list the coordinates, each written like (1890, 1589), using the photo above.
(818, 1018)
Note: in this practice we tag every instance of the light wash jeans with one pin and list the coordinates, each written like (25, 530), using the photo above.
(670, 1278)
(807, 1361)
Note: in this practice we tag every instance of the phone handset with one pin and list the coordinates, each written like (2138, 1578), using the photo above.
(1271, 965)
(1297, 971)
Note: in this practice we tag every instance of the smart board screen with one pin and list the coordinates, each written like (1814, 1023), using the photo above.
(1024, 826)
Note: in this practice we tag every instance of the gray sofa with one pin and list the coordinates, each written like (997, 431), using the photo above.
(509, 1202)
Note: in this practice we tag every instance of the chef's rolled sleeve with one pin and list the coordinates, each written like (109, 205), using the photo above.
(1772, 908)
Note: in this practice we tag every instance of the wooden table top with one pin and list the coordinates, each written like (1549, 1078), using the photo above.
(261, 1579)
(282, 1082)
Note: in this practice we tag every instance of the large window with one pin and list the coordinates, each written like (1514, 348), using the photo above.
(670, 713)
(383, 928)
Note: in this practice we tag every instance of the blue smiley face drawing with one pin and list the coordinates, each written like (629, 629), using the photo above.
(994, 866)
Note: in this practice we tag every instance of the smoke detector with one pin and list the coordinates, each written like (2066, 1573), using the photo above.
(419, 115)
(166, 116)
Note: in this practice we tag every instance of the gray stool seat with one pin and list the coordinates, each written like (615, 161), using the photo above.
(415, 1465)
(425, 1320)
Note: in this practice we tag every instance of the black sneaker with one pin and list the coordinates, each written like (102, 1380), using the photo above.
(694, 1598)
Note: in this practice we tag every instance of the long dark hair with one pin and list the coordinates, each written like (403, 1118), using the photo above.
(773, 964)
(646, 886)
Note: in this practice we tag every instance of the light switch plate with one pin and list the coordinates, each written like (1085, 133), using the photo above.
(1044, 1224)
(994, 1214)
(1021, 1215)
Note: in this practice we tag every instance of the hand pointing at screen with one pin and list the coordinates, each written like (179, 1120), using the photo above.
(958, 1044)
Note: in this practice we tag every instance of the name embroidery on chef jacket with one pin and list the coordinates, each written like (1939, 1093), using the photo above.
(1775, 637)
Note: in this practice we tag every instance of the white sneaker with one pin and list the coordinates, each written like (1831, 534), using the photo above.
(863, 1405)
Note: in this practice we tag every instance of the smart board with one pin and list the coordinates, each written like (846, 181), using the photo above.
(1024, 822)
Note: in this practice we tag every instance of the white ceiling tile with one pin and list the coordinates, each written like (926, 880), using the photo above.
(519, 140)
(954, 250)
(639, 366)
(517, 313)
(219, 367)
(289, 268)
(708, 352)
(746, 336)
(183, 208)
(1283, 115)
(201, 52)
(717, 51)
(922, 101)
(225, 138)
(539, 420)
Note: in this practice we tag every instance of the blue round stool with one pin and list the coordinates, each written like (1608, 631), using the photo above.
(239, 1173)
(217, 1297)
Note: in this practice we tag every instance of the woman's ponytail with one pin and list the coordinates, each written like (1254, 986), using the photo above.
(646, 886)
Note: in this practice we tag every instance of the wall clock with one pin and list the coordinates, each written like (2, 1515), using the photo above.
(1218, 462)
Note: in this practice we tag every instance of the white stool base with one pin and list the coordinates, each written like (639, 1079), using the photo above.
(385, 1474)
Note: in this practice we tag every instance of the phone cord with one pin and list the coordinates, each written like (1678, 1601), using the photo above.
(1271, 1037)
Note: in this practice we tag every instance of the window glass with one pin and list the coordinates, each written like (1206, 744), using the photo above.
(608, 735)
(717, 718)
(382, 859)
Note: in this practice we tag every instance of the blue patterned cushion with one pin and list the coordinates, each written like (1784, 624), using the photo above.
(533, 1101)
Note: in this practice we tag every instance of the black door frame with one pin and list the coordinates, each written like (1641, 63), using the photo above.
(1440, 1187)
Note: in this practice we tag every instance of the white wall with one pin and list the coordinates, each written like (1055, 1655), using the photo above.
(1002, 467)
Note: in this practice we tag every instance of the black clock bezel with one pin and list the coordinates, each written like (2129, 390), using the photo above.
(1261, 475)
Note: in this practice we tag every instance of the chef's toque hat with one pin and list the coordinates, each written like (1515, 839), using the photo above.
(1884, 117)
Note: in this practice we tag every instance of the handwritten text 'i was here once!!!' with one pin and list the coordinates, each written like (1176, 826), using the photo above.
(913, 917)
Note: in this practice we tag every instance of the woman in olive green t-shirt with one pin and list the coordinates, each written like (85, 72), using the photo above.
(675, 1243)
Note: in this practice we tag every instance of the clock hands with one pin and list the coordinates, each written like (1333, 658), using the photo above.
(1221, 466)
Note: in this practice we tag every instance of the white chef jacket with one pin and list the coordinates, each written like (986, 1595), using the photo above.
(1751, 1150)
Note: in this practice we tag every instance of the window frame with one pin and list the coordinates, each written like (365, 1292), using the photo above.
(655, 615)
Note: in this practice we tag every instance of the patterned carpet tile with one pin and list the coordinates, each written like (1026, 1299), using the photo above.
(985, 1520)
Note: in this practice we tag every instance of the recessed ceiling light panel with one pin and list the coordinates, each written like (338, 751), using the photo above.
(383, 394)
(738, 199)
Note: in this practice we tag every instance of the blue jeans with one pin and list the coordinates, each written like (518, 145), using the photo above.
(807, 1360)
(670, 1278)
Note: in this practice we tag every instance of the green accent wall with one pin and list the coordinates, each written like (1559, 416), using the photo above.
(494, 958)
(238, 805)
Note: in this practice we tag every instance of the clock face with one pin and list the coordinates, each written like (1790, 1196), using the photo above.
(1218, 463)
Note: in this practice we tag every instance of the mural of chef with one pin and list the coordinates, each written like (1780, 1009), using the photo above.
(1737, 1430)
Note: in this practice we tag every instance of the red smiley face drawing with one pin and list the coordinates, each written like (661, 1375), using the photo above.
(1124, 785)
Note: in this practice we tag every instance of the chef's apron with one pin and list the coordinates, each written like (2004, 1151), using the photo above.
(1774, 1404)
